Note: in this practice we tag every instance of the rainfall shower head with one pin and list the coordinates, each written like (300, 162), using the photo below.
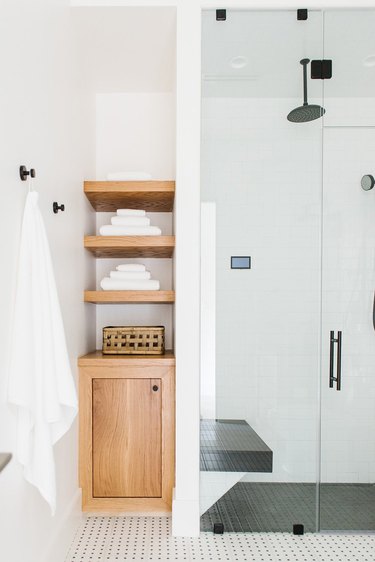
(305, 112)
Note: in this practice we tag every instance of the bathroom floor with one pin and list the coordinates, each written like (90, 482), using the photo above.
(149, 538)
(275, 507)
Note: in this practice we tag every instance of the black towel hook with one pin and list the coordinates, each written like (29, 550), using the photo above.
(56, 207)
(24, 173)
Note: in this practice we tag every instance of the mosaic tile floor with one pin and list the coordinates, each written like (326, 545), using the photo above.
(139, 539)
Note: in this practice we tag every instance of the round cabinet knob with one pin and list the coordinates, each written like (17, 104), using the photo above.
(155, 388)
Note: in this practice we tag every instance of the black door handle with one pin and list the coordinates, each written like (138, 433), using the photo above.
(332, 341)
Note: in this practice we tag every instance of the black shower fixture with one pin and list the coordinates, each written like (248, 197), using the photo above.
(305, 112)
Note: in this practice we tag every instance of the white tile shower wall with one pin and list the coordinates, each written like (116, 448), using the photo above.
(136, 132)
(265, 175)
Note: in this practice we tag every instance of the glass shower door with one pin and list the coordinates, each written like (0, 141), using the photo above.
(347, 489)
(261, 279)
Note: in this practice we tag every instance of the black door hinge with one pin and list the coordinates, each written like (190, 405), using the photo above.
(302, 15)
(298, 529)
(221, 15)
(218, 528)
(321, 69)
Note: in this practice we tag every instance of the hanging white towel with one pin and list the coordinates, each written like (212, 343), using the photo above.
(40, 386)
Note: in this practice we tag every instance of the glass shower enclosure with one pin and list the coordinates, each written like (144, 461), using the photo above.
(288, 271)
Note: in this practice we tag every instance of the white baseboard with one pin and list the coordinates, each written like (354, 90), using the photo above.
(58, 545)
(185, 518)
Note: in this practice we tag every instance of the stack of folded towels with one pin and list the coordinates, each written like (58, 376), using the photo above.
(130, 222)
(130, 277)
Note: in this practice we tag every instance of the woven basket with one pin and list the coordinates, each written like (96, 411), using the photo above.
(133, 340)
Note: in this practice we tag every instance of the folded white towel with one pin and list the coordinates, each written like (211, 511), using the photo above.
(129, 176)
(131, 267)
(111, 230)
(108, 284)
(131, 212)
(130, 275)
(124, 220)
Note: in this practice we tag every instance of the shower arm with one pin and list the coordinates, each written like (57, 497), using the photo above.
(304, 63)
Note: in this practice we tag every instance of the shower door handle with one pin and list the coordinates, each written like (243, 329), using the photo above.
(332, 341)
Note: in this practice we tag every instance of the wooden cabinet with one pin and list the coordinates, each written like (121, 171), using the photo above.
(127, 402)
(126, 432)
(127, 443)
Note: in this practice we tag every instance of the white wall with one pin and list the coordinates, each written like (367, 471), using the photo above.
(46, 122)
(136, 132)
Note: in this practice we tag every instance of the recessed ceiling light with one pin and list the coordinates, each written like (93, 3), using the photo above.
(238, 62)
(369, 61)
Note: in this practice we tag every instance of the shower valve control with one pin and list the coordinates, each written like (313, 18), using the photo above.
(367, 182)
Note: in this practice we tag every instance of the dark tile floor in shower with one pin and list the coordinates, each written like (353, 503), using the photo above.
(275, 507)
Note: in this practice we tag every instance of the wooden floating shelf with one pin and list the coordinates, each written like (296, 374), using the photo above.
(130, 297)
(152, 196)
(130, 246)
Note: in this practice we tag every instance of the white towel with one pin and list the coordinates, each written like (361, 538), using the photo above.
(131, 267)
(129, 176)
(131, 212)
(130, 275)
(40, 385)
(111, 230)
(108, 284)
(124, 220)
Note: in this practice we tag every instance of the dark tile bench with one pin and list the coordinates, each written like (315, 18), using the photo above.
(233, 446)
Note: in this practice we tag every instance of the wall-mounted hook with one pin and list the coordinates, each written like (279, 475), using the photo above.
(56, 207)
(24, 172)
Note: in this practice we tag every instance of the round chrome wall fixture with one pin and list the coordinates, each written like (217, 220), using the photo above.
(367, 182)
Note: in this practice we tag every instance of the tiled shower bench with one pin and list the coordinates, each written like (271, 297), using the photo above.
(233, 446)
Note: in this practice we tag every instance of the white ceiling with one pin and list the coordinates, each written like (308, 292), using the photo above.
(126, 49)
(274, 42)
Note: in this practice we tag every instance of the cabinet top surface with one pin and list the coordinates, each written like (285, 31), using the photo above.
(96, 358)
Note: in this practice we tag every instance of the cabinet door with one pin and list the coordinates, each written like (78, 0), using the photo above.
(127, 434)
